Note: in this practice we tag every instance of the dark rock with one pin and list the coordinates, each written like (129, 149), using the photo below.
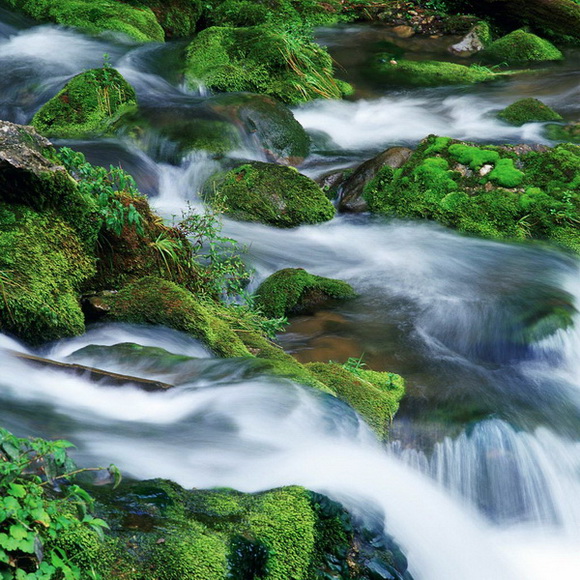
(351, 190)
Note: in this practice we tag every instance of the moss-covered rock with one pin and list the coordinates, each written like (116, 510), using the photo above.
(259, 59)
(375, 395)
(498, 192)
(519, 47)
(178, 18)
(269, 124)
(569, 132)
(87, 105)
(152, 300)
(270, 194)
(528, 111)
(297, 13)
(426, 73)
(43, 264)
(224, 534)
(95, 17)
(294, 290)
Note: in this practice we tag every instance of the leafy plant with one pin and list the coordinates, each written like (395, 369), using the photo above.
(354, 364)
(105, 186)
(38, 502)
(225, 272)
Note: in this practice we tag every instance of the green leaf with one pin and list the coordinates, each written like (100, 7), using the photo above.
(18, 531)
(16, 490)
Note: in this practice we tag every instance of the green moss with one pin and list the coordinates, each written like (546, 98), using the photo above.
(515, 196)
(193, 553)
(178, 18)
(95, 17)
(528, 111)
(426, 73)
(375, 395)
(294, 290)
(152, 300)
(43, 264)
(262, 60)
(88, 104)
(505, 174)
(475, 157)
(520, 46)
(271, 194)
(569, 133)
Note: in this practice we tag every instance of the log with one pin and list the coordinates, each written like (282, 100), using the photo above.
(92, 373)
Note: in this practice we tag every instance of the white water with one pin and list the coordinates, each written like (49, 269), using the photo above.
(492, 503)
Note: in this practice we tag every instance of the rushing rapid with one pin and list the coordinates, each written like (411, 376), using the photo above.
(481, 478)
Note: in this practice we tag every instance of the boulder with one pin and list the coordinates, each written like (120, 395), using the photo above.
(270, 194)
(258, 59)
(570, 132)
(89, 104)
(96, 17)
(268, 124)
(520, 47)
(475, 40)
(528, 111)
(425, 73)
(351, 190)
(295, 291)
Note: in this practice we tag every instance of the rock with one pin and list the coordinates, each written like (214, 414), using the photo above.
(282, 533)
(29, 173)
(528, 111)
(403, 31)
(425, 73)
(270, 194)
(269, 125)
(96, 17)
(375, 395)
(295, 291)
(88, 104)
(569, 132)
(178, 18)
(475, 40)
(520, 47)
(530, 192)
(351, 190)
(258, 59)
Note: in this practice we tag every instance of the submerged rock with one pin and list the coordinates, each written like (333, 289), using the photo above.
(520, 47)
(89, 104)
(269, 124)
(270, 194)
(295, 291)
(569, 132)
(527, 111)
(258, 59)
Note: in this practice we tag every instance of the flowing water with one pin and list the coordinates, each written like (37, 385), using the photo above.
(481, 478)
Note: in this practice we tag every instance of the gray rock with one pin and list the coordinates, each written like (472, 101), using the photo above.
(350, 193)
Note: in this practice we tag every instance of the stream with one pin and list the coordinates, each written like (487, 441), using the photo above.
(481, 477)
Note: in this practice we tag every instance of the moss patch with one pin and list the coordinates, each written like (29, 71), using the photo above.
(375, 395)
(95, 17)
(426, 73)
(152, 300)
(271, 194)
(496, 192)
(294, 290)
(520, 46)
(88, 104)
(43, 264)
(262, 60)
(528, 111)
(569, 132)
(178, 18)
